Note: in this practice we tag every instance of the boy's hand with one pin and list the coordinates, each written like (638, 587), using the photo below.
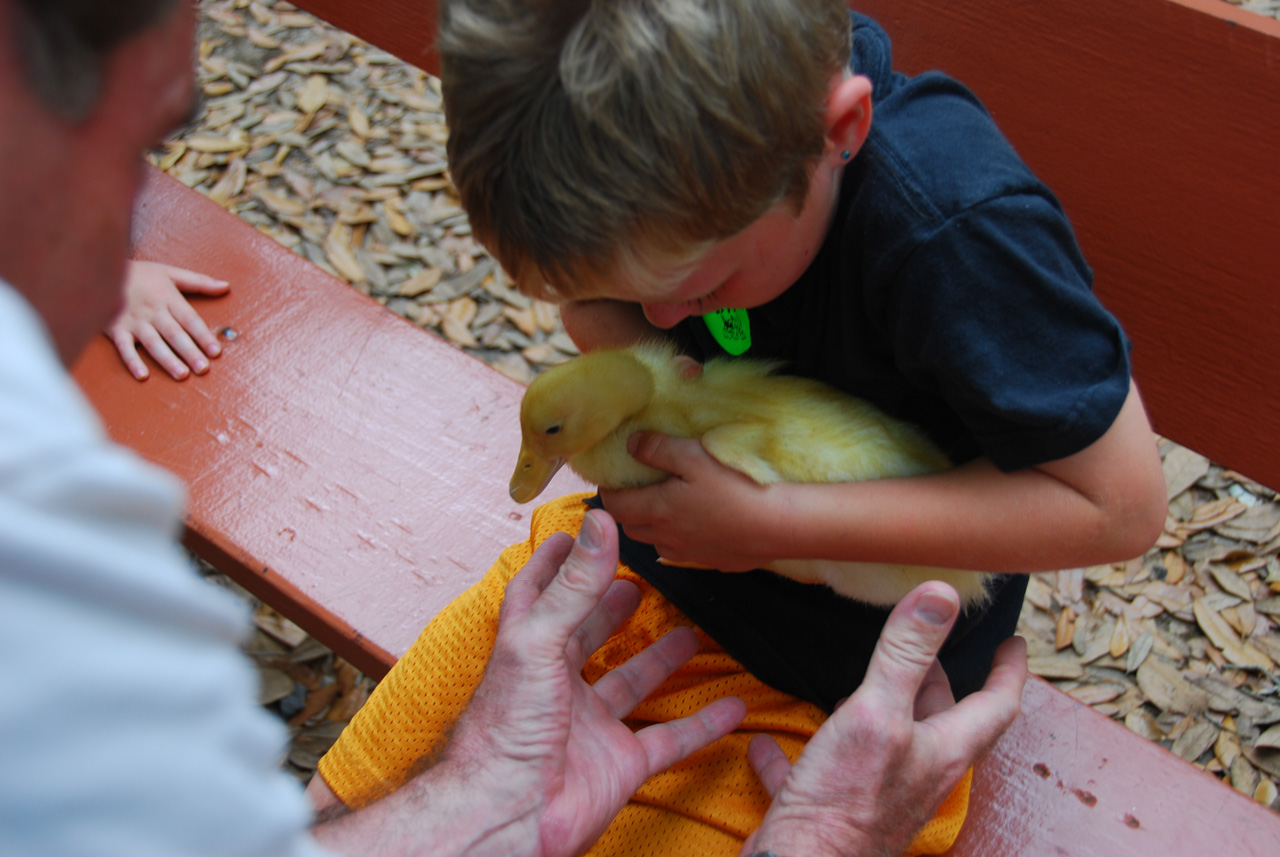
(705, 514)
(156, 316)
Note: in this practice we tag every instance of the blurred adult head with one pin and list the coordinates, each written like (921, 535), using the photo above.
(86, 86)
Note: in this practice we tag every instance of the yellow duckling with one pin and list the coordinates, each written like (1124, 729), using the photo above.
(773, 428)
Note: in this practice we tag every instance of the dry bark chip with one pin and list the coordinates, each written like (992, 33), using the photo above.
(1225, 638)
(273, 686)
(1140, 722)
(420, 283)
(1182, 469)
(1055, 667)
(1195, 740)
(1165, 687)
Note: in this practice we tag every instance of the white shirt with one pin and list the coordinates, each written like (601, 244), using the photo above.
(128, 719)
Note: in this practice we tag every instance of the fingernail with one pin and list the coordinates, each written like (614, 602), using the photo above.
(590, 536)
(633, 443)
(935, 608)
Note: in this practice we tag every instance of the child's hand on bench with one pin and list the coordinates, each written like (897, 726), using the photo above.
(156, 316)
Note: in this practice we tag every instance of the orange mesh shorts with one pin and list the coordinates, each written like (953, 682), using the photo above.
(704, 806)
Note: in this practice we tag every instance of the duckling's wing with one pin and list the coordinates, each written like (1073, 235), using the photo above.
(743, 447)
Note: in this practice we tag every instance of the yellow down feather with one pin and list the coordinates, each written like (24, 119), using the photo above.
(773, 428)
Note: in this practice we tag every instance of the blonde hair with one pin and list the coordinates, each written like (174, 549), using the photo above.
(589, 137)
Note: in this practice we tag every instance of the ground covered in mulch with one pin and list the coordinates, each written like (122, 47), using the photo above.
(335, 149)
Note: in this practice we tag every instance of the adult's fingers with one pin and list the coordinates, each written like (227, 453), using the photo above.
(580, 584)
(528, 583)
(667, 743)
(624, 687)
(770, 763)
(972, 726)
(935, 694)
(619, 602)
(909, 644)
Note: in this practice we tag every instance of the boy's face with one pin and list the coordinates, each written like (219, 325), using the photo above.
(745, 270)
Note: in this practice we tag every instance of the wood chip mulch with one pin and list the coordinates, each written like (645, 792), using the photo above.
(336, 149)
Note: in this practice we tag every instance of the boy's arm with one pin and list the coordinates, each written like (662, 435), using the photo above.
(1105, 503)
(606, 324)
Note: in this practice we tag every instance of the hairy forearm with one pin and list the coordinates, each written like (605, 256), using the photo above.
(444, 811)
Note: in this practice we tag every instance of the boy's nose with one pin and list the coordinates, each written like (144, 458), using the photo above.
(666, 315)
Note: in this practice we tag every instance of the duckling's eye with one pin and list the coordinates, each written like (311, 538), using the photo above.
(555, 429)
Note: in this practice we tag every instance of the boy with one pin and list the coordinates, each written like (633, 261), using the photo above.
(711, 172)
(664, 161)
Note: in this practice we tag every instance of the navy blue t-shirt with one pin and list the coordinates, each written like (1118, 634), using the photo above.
(950, 290)
(951, 293)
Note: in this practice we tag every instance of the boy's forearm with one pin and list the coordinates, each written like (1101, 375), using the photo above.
(974, 517)
(1104, 504)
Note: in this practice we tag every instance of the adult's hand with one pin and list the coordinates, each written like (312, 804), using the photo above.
(880, 767)
(541, 762)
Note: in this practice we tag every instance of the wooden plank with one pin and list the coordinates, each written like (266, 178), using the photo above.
(1158, 125)
(405, 28)
(1064, 780)
(345, 466)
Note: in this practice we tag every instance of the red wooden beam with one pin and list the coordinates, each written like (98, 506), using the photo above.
(405, 28)
(347, 467)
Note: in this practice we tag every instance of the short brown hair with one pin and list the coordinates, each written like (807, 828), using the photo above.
(585, 132)
(63, 45)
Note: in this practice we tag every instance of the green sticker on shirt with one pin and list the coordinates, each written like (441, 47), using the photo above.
(731, 329)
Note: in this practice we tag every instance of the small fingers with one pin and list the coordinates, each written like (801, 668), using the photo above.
(196, 328)
(125, 344)
(663, 451)
(195, 282)
(150, 339)
(180, 341)
(769, 762)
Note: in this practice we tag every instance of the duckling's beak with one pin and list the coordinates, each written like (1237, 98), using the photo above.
(532, 475)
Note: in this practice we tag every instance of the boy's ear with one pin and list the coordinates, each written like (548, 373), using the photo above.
(848, 114)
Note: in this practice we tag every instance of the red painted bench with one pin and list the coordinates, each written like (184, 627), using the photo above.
(351, 470)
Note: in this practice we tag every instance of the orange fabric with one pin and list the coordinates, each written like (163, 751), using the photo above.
(702, 807)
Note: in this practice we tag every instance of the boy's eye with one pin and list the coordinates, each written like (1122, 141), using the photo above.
(707, 300)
